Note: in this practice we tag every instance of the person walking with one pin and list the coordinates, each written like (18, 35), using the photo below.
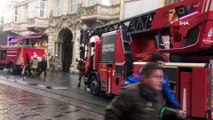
(43, 65)
(81, 68)
(34, 66)
(143, 100)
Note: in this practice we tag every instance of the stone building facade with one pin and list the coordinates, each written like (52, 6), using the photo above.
(62, 21)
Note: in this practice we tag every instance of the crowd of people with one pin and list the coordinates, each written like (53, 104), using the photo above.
(38, 67)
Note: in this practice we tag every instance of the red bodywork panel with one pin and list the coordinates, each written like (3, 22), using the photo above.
(199, 96)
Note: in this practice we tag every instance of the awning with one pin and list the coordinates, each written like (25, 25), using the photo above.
(20, 38)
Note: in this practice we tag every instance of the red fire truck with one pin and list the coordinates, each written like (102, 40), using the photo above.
(15, 58)
(183, 31)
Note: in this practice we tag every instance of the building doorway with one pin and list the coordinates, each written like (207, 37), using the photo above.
(64, 48)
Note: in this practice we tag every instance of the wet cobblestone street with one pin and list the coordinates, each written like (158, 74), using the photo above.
(27, 100)
(17, 104)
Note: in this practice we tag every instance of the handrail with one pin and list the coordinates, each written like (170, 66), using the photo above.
(210, 97)
(178, 64)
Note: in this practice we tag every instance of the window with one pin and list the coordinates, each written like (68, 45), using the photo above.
(22, 17)
(16, 14)
(90, 2)
(73, 6)
(3, 54)
(42, 8)
(32, 8)
(59, 7)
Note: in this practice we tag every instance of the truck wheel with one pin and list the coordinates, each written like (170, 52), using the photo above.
(95, 85)
(12, 69)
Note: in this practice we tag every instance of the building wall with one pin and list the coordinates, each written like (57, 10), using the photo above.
(135, 7)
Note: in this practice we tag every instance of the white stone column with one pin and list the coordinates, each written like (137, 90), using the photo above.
(121, 9)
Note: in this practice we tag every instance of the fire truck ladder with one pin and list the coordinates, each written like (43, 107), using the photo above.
(137, 24)
(133, 25)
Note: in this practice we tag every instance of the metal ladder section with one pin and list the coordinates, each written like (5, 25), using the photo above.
(136, 24)
(211, 89)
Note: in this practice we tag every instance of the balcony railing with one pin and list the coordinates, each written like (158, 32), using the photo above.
(10, 27)
(37, 23)
(99, 11)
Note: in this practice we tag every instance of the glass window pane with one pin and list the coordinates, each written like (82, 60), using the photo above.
(42, 4)
(41, 13)
(73, 6)
(59, 7)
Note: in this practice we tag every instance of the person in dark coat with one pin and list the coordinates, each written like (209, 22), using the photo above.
(43, 66)
(167, 91)
(143, 100)
(81, 68)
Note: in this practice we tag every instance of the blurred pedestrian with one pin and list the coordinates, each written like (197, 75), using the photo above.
(81, 68)
(167, 91)
(143, 100)
(43, 65)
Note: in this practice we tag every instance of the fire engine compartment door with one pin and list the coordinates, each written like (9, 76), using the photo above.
(193, 91)
(106, 77)
(113, 82)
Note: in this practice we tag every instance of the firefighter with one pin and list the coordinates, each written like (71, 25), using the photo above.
(51, 63)
(56, 63)
(81, 68)
(34, 65)
(43, 65)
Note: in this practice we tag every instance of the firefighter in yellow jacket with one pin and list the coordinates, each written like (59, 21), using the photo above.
(34, 66)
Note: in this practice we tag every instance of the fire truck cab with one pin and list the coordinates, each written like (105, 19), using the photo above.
(15, 58)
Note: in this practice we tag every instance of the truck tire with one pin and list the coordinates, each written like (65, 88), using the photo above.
(12, 69)
(95, 87)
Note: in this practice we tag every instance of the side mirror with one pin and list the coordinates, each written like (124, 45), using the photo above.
(159, 42)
